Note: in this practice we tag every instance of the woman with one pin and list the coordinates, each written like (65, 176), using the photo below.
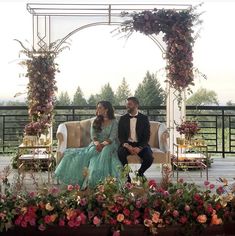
(100, 157)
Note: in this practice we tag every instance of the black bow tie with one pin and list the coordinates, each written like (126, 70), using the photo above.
(132, 116)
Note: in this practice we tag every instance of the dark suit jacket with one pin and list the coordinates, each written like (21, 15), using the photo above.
(142, 129)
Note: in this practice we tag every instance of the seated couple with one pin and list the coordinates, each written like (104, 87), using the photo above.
(112, 142)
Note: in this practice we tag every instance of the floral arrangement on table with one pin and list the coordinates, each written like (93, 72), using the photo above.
(41, 70)
(154, 205)
(177, 27)
(189, 128)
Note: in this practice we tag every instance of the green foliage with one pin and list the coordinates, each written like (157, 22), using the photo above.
(93, 99)
(123, 92)
(78, 98)
(149, 92)
(63, 99)
(203, 97)
(107, 94)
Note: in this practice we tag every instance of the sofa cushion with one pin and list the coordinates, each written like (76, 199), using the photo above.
(153, 141)
(158, 155)
(85, 136)
(73, 134)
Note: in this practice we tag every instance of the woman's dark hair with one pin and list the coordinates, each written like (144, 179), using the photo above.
(99, 118)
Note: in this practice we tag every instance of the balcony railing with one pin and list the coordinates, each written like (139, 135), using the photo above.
(217, 123)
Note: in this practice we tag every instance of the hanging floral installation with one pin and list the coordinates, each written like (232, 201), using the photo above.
(177, 27)
(41, 71)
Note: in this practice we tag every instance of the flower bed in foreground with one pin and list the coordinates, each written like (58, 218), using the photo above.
(113, 209)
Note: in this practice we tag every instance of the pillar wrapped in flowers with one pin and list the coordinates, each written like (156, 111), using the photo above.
(41, 70)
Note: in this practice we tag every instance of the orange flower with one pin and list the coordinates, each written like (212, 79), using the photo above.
(24, 210)
(155, 217)
(70, 214)
(202, 219)
(120, 217)
(53, 217)
(215, 220)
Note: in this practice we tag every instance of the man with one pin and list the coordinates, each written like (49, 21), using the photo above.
(134, 134)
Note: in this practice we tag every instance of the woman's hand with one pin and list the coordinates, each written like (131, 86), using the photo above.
(99, 147)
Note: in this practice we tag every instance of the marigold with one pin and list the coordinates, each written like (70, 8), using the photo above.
(202, 219)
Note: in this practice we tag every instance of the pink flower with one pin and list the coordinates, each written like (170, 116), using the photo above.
(211, 186)
(71, 223)
(83, 202)
(220, 190)
(187, 208)
(77, 187)
(116, 233)
(70, 187)
(206, 183)
(113, 221)
(47, 219)
(128, 185)
(41, 227)
(127, 222)
(209, 208)
(77, 221)
(197, 197)
(32, 194)
(152, 183)
(175, 213)
(136, 214)
(23, 224)
(165, 193)
(54, 190)
(183, 219)
(32, 222)
(96, 221)
(83, 218)
(61, 222)
(126, 212)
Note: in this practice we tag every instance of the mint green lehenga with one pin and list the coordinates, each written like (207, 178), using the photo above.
(100, 164)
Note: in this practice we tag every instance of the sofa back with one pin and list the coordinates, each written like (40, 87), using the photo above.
(78, 133)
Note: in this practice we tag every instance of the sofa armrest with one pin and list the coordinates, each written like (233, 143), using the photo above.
(61, 136)
(163, 136)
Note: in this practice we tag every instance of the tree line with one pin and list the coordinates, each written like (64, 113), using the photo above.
(149, 92)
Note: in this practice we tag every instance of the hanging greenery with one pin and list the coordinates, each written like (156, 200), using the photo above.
(41, 70)
(177, 27)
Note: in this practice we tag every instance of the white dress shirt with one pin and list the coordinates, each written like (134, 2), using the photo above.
(133, 135)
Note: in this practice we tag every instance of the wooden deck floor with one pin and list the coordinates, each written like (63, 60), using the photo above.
(220, 168)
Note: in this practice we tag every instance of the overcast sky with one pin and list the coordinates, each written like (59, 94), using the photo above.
(97, 57)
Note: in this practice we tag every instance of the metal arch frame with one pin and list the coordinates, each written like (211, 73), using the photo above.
(46, 11)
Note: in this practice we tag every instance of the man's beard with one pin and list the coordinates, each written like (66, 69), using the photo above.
(130, 110)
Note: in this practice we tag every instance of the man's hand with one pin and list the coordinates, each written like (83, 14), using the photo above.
(129, 148)
(136, 150)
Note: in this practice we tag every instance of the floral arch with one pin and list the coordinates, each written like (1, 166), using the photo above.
(176, 22)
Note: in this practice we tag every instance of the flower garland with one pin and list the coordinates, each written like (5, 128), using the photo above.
(41, 70)
(177, 28)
